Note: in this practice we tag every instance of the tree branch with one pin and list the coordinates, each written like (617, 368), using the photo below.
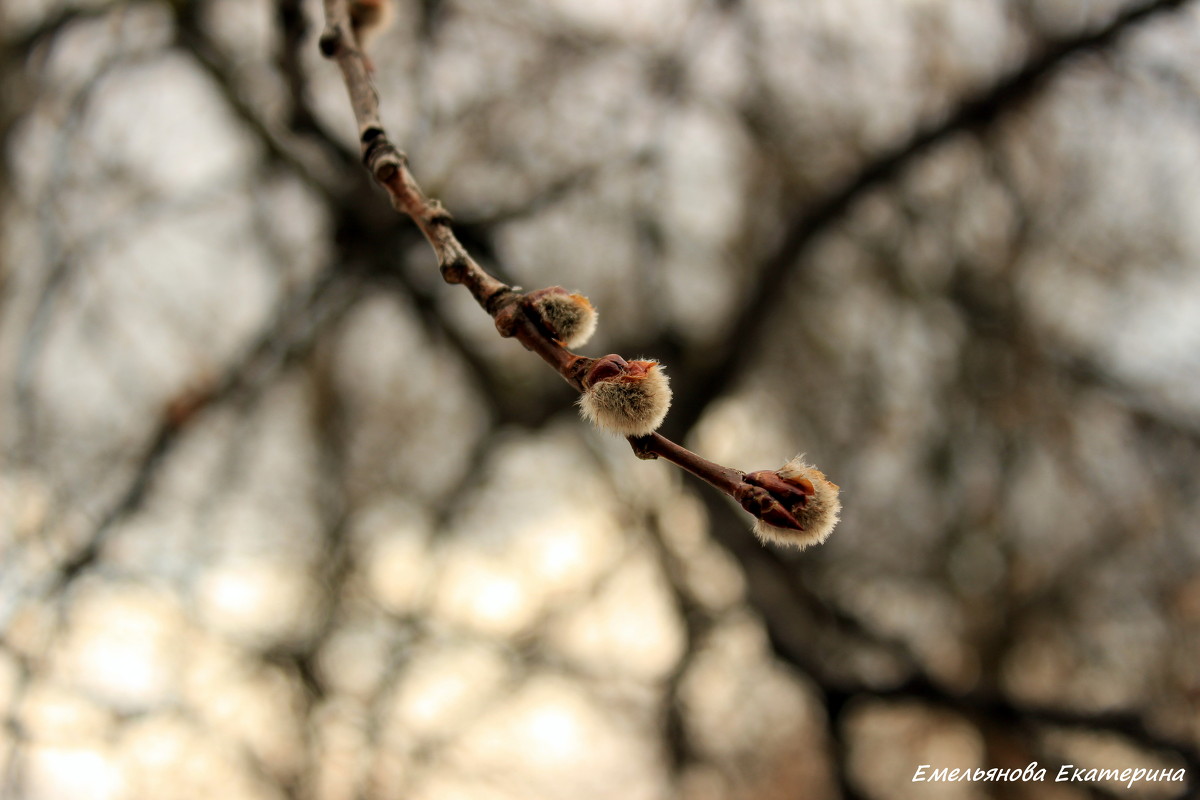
(773, 501)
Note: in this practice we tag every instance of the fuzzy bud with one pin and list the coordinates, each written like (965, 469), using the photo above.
(807, 499)
(570, 318)
(368, 18)
(628, 398)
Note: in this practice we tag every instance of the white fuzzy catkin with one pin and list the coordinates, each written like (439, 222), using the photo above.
(628, 405)
(570, 316)
(369, 18)
(819, 515)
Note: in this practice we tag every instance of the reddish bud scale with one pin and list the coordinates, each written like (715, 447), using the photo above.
(610, 366)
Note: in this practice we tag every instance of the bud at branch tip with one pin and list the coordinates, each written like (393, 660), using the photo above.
(807, 495)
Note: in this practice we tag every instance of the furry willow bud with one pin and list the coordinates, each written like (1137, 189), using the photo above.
(369, 18)
(629, 398)
(807, 496)
(569, 317)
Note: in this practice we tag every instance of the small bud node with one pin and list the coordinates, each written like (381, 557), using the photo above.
(643, 447)
(437, 214)
(454, 271)
(329, 43)
(505, 318)
(386, 172)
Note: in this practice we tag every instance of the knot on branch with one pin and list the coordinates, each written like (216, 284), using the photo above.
(506, 312)
(370, 135)
(436, 213)
(643, 447)
(455, 269)
(330, 42)
(380, 156)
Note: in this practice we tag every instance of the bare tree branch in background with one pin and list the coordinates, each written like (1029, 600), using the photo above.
(974, 112)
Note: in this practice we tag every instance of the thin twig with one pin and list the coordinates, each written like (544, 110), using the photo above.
(389, 167)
